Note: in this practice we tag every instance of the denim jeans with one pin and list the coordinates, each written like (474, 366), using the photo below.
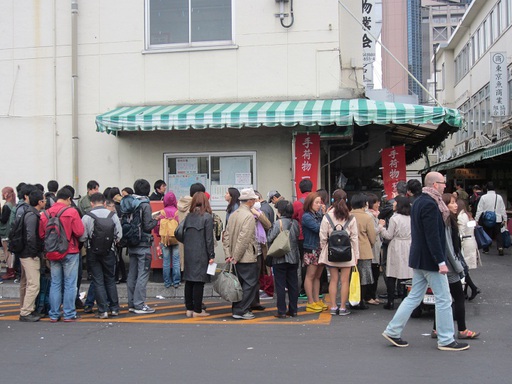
(444, 317)
(138, 276)
(102, 268)
(171, 254)
(64, 274)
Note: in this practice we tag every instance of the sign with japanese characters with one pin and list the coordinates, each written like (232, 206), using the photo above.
(307, 158)
(393, 168)
(372, 20)
(499, 84)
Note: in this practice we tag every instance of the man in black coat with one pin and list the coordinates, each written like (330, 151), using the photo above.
(428, 260)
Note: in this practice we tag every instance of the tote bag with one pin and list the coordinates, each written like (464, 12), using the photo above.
(281, 244)
(482, 238)
(227, 284)
(354, 295)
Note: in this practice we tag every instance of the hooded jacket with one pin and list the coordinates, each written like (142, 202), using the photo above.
(170, 209)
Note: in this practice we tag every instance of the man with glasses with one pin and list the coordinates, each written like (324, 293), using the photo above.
(427, 258)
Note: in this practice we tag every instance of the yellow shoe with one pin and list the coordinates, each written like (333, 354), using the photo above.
(314, 308)
(321, 304)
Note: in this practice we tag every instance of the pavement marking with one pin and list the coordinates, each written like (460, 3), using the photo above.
(220, 313)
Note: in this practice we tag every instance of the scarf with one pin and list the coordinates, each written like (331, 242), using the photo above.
(260, 234)
(434, 193)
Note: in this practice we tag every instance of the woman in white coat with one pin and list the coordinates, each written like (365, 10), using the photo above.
(399, 232)
(469, 245)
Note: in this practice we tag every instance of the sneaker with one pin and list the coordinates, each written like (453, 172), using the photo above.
(467, 334)
(303, 296)
(453, 346)
(54, 320)
(131, 309)
(245, 316)
(144, 309)
(314, 308)
(324, 306)
(72, 319)
(102, 315)
(79, 304)
(396, 341)
(344, 312)
(335, 311)
(29, 318)
(87, 309)
(433, 334)
(114, 313)
(500, 251)
(264, 296)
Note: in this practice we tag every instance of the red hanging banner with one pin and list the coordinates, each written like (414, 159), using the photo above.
(393, 169)
(307, 158)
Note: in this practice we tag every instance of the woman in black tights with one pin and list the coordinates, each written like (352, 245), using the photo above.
(453, 256)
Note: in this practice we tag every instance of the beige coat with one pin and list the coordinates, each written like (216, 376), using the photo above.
(239, 240)
(469, 245)
(325, 231)
(399, 232)
(367, 234)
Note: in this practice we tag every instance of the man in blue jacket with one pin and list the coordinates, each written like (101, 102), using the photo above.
(427, 259)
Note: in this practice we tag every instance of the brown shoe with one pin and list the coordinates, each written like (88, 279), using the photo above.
(201, 314)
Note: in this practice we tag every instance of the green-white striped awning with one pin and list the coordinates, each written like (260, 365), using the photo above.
(272, 113)
(498, 150)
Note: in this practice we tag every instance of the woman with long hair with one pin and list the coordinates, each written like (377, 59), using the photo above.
(399, 234)
(373, 211)
(232, 197)
(199, 252)
(6, 219)
(340, 271)
(469, 246)
(311, 220)
(455, 269)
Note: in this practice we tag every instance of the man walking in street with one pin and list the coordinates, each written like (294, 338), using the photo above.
(428, 260)
(493, 202)
(64, 266)
(102, 232)
(240, 248)
(30, 258)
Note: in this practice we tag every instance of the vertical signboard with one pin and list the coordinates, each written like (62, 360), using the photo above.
(393, 168)
(307, 158)
(372, 21)
(499, 84)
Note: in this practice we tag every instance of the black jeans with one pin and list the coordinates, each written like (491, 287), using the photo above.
(194, 295)
(256, 301)
(248, 276)
(495, 234)
(371, 291)
(391, 285)
(285, 276)
(121, 267)
(103, 269)
(459, 310)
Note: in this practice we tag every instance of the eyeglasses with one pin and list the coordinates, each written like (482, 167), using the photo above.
(441, 182)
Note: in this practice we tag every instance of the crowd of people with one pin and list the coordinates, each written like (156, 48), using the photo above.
(403, 239)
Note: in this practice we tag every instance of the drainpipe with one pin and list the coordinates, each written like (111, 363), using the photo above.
(55, 132)
(74, 92)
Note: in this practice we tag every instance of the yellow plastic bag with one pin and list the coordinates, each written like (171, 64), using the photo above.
(354, 296)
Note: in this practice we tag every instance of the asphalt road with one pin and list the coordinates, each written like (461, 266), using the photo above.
(344, 349)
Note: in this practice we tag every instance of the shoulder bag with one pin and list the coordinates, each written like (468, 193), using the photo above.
(227, 284)
(281, 244)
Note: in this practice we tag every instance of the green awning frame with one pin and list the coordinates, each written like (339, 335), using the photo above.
(458, 161)
(498, 150)
(309, 113)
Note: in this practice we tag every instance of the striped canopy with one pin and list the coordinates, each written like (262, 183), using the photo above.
(271, 114)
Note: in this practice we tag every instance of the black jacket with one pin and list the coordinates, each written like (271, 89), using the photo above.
(33, 243)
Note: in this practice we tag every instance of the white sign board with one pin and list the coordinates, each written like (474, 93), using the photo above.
(499, 84)
(372, 20)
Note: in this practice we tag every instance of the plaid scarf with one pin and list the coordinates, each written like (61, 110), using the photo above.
(434, 193)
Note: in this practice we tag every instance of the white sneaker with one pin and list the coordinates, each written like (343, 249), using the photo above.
(144, 309)
(264, 296)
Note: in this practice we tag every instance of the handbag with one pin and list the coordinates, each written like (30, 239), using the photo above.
(227, 284)
(281, 244)
(482, 238)
(505, 234)
(354, 295)
(179, 233)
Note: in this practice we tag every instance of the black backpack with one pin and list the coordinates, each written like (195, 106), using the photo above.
(103, 234)
(56, 242)
(17, 235)
(339, 248)
(131, 221)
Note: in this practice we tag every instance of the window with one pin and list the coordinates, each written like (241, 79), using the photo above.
(440, 34)
(216, 171)
(179, 24)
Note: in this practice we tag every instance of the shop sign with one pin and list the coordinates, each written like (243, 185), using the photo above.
(393, 168)
(307, 159)
(469, 174)
(499, 84)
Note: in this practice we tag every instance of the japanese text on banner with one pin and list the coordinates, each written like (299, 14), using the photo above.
(307, 157)
(393, 168)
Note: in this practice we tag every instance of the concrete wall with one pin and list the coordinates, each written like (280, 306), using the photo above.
(269, 62)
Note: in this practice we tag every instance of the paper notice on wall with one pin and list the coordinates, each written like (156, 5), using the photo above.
(186, 165)
(242, 178)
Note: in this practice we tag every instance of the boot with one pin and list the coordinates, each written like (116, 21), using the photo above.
(390, 305)
(9, 275)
